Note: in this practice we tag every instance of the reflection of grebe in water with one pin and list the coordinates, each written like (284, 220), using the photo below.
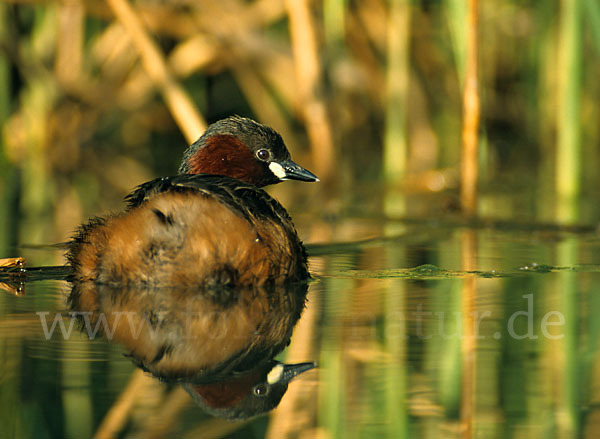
(221, 351)
(201, 278)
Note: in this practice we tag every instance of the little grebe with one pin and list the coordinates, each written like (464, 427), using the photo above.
(209, 226)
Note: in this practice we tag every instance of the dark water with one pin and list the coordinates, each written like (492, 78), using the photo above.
(423, 324)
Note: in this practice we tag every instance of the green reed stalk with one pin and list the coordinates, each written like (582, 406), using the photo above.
(568, 155)
(5, 220)
(397, 78)
(568, 182)
(456, 12)
(4, 69)
(568, 185)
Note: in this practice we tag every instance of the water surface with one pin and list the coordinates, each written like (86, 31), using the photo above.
(424, 324)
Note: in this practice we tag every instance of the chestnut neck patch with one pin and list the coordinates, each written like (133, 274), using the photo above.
(225, 154)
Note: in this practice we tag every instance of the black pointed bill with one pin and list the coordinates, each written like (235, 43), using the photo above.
(290, 371)
(284, 373)
(288, 170)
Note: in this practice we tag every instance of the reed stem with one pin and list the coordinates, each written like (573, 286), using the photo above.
(397, 81)
(568, 149)
(471, 110)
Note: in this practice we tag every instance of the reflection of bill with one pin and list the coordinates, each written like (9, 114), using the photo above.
(188, 337)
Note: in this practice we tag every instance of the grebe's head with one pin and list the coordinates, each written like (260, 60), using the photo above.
(241, 148)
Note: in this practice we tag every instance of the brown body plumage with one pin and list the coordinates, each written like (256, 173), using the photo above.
(195, 230)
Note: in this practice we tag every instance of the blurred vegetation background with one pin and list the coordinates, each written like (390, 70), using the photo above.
(97, 97)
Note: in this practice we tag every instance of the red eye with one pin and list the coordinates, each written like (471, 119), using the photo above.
(263, 154)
